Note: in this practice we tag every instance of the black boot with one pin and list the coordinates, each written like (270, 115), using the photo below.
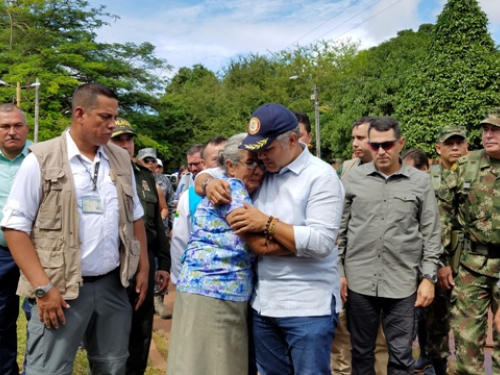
(440, 366)
(422, 364)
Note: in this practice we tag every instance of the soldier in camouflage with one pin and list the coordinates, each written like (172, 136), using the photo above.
(451, 145)
(469, 203)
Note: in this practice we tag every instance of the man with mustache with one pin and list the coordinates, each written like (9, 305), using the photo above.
(73, 223)
(469, 204)
(13, 150)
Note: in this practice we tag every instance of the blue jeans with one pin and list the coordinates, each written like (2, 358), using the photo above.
(9, 310)
(297, 345)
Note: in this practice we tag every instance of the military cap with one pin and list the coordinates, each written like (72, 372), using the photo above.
(267, 123)
(147, 153)
(492, 117)
(123, 127)
(447, 132)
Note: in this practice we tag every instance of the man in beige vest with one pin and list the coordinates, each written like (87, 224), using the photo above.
(341, 347)
(73, 223)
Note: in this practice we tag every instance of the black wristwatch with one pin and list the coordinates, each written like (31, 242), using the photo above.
(204, 185)
(41, 291)
(432, 278)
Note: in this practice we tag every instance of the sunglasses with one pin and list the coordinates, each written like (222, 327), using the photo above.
(375, 146)
(149, 160)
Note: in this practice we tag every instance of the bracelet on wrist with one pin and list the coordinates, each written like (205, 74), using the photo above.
(266, 230)
(204, 185)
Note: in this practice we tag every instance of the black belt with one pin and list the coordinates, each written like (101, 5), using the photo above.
(91, 279)
(490, 251)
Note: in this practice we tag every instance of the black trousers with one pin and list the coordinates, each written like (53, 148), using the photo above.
(142, 324)
(9, 310)
(398, 322)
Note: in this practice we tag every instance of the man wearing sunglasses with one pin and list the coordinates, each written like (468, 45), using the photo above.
(390, 227)
(341, 347)
(470, 205)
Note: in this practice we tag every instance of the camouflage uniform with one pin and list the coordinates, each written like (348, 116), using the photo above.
(437, 314)
(476, 213)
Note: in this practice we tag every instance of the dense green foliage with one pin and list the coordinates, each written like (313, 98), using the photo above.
(442, 74)
(459, 77)
(54, 40)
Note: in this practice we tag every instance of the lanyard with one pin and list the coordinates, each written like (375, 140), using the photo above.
(93, 177)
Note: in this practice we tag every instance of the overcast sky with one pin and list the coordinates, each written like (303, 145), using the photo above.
(211, 32)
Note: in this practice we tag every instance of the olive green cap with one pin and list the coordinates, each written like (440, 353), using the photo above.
(492, 117)
(451, 131)
(123, 127)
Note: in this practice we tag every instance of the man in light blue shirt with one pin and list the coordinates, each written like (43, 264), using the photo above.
(13, 150)
(296, 299)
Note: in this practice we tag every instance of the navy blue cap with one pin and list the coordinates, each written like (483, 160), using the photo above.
(267, 123)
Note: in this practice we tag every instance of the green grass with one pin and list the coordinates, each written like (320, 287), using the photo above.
(81, 364)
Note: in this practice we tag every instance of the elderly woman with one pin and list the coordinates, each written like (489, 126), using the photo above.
(209, 330)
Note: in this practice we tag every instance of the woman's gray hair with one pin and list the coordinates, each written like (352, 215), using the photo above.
(231, 151)
(283, 138)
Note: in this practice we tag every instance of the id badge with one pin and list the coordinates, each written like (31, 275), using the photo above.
(92, 205)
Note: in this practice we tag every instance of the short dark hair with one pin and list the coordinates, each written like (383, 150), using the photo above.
(303, 118)
(214, 141)
(194, 149)
(386, 123)
(364, 120)
(420, 160)
(9, 107)
(85, 95)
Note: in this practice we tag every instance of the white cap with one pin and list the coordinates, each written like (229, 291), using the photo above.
(160, 163)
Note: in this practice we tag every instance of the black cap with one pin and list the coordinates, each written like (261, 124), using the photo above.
(267, 123)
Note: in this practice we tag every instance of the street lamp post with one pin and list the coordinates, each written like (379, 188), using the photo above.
(37, 108)
(36, 85)
(314, 98)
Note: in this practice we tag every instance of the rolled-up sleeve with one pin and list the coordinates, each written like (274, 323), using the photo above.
(323, 214)
(22, 205)
(342, 237)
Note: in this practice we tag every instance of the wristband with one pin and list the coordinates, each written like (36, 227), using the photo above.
(204, 185)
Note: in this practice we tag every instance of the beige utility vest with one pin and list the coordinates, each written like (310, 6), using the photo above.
(348, 165)
(55, 232)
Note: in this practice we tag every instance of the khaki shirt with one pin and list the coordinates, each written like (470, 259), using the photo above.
(389, 228)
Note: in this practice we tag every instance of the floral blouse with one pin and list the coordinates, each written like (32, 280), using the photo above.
(217, 263)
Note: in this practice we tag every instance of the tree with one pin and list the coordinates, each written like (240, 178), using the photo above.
(54, 40)
(457, 80)
(370, 85)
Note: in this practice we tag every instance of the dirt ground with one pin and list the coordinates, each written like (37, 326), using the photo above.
(158, 360)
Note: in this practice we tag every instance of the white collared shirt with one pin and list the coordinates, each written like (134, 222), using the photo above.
(308, 195)
(98, 232)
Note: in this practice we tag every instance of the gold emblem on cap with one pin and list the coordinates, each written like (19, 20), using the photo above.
(253, 126)
(258, 145)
